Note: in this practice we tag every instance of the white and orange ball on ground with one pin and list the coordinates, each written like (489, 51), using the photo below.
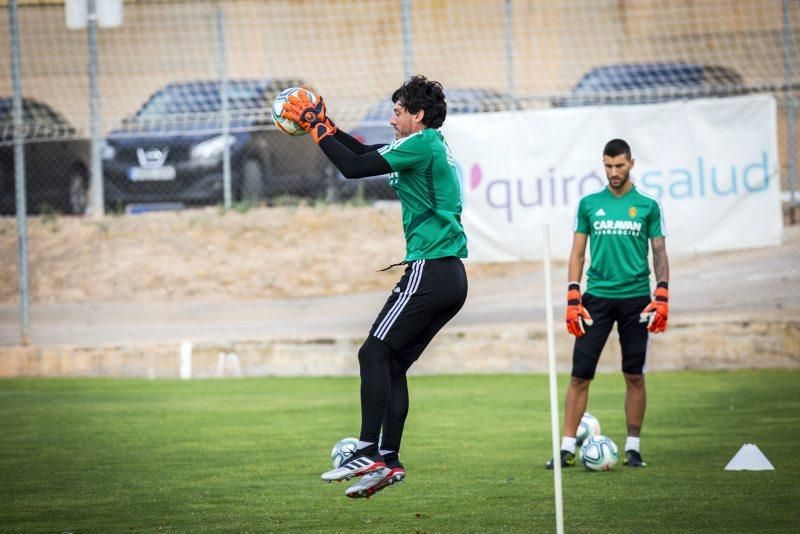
(589, 426)
(285, 125)
(599, 453)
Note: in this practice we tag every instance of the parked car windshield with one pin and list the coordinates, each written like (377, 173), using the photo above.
(31, 112)
(629, 77)
(40, 121)
(182, 99)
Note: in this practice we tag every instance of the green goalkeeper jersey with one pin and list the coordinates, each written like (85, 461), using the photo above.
(427, 185)
(619, 231)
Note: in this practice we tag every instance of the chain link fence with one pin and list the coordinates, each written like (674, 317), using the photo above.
(179, 112)
(184, 87)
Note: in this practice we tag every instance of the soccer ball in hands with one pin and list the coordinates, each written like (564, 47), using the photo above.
(589, 426)
(343, 450)
(285, 125)
(599, 453)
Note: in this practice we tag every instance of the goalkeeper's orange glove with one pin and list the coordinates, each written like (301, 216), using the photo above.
(658, 310)
(312, 117)
(576, 313)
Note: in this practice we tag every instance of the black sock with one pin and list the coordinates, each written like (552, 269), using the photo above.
(392, 460)
(373, 360)
(394, 417)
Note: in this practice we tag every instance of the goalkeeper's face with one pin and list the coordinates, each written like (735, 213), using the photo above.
(405, 123)
(618, 171)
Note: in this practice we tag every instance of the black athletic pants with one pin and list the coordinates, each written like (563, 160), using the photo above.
(428, 295)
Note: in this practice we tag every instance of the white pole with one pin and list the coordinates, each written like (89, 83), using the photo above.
(551, 357)
(185, 361)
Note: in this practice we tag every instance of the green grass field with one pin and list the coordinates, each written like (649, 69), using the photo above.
(245, 455)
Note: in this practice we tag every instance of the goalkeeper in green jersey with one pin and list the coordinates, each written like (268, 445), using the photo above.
(619, 222)
(434, 286)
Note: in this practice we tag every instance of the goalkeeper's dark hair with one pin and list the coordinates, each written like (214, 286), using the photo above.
(419, 93)
(617, 147)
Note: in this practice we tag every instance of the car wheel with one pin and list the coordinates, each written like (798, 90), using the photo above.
(253, 186)
(78, 192)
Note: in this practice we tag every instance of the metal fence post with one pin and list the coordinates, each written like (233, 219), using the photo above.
(790, 143)
(222, 59)
(96, 205)
(408, 52)
(509, 11)
(19, 172)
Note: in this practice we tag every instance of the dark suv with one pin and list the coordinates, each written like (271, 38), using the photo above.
(374, 129)
(650, 83)
(56, 162)
(171, 149)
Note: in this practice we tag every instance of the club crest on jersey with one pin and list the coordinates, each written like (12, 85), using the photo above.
(632, 212)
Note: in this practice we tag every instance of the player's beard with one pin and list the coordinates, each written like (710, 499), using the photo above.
(620, 182)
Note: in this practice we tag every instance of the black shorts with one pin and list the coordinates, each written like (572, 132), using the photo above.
(632, 334)
(428, 295)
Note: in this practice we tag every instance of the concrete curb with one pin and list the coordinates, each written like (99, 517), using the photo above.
(768, 340)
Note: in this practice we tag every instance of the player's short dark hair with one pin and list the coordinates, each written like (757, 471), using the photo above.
(419, 93)
(617, 147)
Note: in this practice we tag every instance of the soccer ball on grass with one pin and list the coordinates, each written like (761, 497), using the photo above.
(599, 453)
(589, 426)
(343, 450)
(285, 125)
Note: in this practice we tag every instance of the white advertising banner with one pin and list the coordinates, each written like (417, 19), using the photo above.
(712, 164)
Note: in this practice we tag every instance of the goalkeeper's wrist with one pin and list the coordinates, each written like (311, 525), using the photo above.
(662, 292)
(573, 294)
(321, 130)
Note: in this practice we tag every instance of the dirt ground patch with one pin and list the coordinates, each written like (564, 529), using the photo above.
(212, 255)
(148, 274)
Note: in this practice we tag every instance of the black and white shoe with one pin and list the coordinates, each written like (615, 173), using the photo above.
(633, 459)
(567, 460)
(356, 466)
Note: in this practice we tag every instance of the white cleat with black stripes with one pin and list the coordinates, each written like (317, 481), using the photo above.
(355, 466)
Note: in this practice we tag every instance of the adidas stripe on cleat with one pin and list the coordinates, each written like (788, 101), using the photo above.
(374, 482)
(355, 466)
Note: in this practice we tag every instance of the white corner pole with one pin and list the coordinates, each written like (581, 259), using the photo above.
(551, 358)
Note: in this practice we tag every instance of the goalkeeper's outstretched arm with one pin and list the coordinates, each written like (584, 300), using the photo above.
(354, 144)
(352, 164)
(352, 158)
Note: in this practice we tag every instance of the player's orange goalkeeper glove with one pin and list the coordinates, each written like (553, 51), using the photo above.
(658, 310)
(312, 117)
(576, 313)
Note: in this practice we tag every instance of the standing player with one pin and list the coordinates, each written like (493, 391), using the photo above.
(434, 286)
(619, 221)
